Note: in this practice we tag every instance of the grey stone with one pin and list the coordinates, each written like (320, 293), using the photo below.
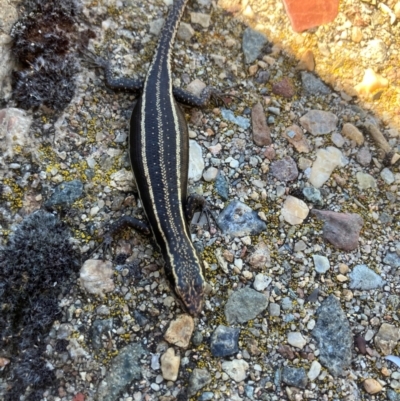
(66, 194)
(286, 304)
(206, 396)
(334, 337)
(319, 122)
(274, 309)
(99, 328)
(198, 379)
(313, 195)
(392, 395)
(222, 186)
(197, 338)
(238, 219)
(124, 368)
(244, 305)
(363, 278)
(392, 259)
(285, 169)
(313, 85)
(321, 264)
(252, 44)
(224, 341)
(296, 377)
(236, 369)
(242, 122)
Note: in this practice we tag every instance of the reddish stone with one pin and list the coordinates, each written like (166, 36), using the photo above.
(79, 397)
(308, 14)
(284, 88)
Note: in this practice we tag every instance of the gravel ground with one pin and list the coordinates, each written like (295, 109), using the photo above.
(302, 175)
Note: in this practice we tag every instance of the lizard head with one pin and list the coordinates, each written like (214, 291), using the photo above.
(191, 292)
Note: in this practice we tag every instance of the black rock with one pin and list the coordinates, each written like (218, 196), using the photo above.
(66, 194)
(222, 186)
(224, 341)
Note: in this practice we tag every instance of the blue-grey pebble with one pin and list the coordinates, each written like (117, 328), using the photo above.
(198, 379)
(222, 186)
(252, 44)
(296, 377)
(206, 396)
(66, 194)
(313, 195)
(237, 219)
(229, 115)
(334, 337)
(313, 85)
(392, 259)
(363, 278)
(224, 341)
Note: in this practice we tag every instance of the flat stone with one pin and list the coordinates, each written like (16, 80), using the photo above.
(294, 134)
(364, 156)
(198, 379)
(387, 176)
(201, 19)
(196, 162)
(274, 309)
(313, 85)
(170, 365)
(319, 122)
(338, 140)
(96, 276)
(123, 180)
(353, 133)
(295, 339)
(252, 44)
(321, 264)
(244, 305)
(236, 369)
(122, 370)
(224, 341)
(372, 386)
(294, 210)
(261, 282)
(180, 331)
(237, 219)
(366, 181)
(342, 230)
(185, 32)
(315, 370)
(387, 338)
(260, 257)
(284, 170)
(229, 115)
(296, 377)
(327, 160)
(392, 259)
(310, 13)
(261, 131)
(334, 337)
(363, 278)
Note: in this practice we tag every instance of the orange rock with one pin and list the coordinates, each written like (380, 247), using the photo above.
(310, 13)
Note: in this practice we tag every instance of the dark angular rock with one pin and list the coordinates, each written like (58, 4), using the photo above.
(363, 278)
(222, 186)
(224, 341)
(342, 230)
(313, 85)
(238, 219)
(252, 44)
(66, 194)
(333, 335)
(296, 377)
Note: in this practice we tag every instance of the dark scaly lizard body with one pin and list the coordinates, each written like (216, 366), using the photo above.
(159, 154)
